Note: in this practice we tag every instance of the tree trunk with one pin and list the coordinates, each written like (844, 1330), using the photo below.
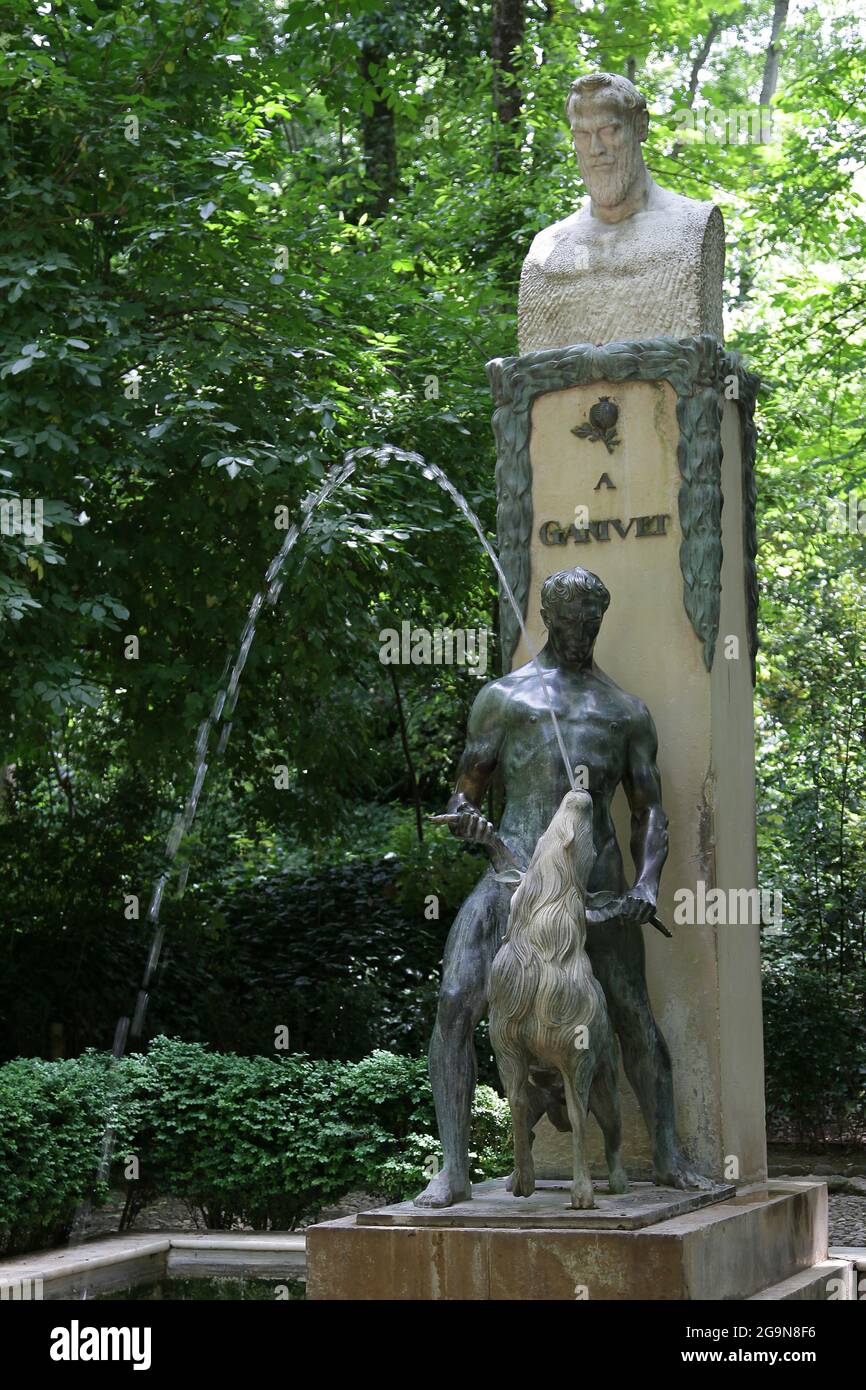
(378, 137)
(771, 59)
(64, 782)
(508, 23)
(407, 754)
(700, 58)
(7, 790)
(768, 91)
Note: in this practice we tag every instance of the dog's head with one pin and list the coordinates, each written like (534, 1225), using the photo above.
(567, 842)
(561, 864)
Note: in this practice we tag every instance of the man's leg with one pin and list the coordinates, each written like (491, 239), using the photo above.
(616, 950)
(472, 943)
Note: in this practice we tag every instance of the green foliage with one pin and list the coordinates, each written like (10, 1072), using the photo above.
(238, 1138)
(437, 866)
(340, 950)
(52, 1120)
(815, 1043)
(195, 331)
(257, 1141)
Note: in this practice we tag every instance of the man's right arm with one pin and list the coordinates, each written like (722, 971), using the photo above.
(478, 764)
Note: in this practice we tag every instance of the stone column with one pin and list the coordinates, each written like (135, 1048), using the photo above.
(661, 506)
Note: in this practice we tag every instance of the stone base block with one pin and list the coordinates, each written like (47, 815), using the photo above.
(549, 1207)
(733, 1249)
(828, 1280)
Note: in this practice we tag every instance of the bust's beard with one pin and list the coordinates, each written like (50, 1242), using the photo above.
(609, 187)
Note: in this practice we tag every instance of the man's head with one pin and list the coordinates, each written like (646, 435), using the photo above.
(573, 603)
(608, 119)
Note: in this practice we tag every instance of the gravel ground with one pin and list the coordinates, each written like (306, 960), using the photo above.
(165, 1215)
(844, 1172)
(847, 1220)
(171, 1215)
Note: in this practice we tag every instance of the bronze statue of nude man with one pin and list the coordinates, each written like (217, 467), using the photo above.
(611, 735)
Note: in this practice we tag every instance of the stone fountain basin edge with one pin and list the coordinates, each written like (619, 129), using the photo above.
(115, 1262)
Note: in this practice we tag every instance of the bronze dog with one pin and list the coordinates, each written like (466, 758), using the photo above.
(548, 1011)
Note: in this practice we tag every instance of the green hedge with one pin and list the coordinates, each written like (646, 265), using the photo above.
(52, 1119)
(342, 955)
(815, 1055)
(262, 1141)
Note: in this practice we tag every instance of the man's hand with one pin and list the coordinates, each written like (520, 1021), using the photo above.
(638, 905)
(468, 824)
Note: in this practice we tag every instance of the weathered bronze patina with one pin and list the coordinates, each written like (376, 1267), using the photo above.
(610, 739)
(601, 426)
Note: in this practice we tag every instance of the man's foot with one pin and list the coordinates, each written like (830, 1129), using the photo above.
(677, 1173)
(441, 1191)
(617, 1180)
(522, 1182)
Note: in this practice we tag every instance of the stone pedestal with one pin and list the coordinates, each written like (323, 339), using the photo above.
(662, 510)
(768, 1240)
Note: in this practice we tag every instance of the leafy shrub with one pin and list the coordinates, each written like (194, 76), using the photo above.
(254, 1141)
(267, 1141)
(52, 1119)
(815, 1056)
(437, 865)
(343, 955)
(333, 955)
(404, 1152)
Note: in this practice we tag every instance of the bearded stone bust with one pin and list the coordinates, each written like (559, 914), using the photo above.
(636, 261)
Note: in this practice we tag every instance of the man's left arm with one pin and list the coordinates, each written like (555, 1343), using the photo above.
(649, 824)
